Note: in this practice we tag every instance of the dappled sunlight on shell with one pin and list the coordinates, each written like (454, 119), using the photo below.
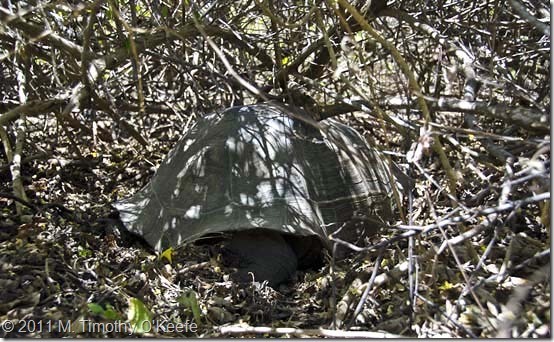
(257, 167)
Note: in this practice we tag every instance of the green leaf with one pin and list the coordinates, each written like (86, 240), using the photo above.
(189, 301)
(110, 313)
(84, 252)
(165, 11)
(96, 309)
(138, 314)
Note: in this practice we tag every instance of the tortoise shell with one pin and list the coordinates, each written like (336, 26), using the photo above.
(256, 166)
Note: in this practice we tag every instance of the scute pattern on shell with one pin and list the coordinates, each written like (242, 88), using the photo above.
(257, 167)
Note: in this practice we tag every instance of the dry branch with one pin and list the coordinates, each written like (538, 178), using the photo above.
(244, 330)
(526, 118)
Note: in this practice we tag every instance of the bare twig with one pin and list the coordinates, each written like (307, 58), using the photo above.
(522, 11)
(414, 87)
(369, 285)
(470, 214)
(243, 330)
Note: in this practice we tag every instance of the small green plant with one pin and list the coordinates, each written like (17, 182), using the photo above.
(108, 312)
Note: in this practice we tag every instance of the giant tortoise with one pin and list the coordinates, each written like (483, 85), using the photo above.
(272, 185)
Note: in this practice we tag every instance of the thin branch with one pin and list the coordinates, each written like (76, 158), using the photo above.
(467, 216)
(526, 118)
(522, 12)
(243, 330)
